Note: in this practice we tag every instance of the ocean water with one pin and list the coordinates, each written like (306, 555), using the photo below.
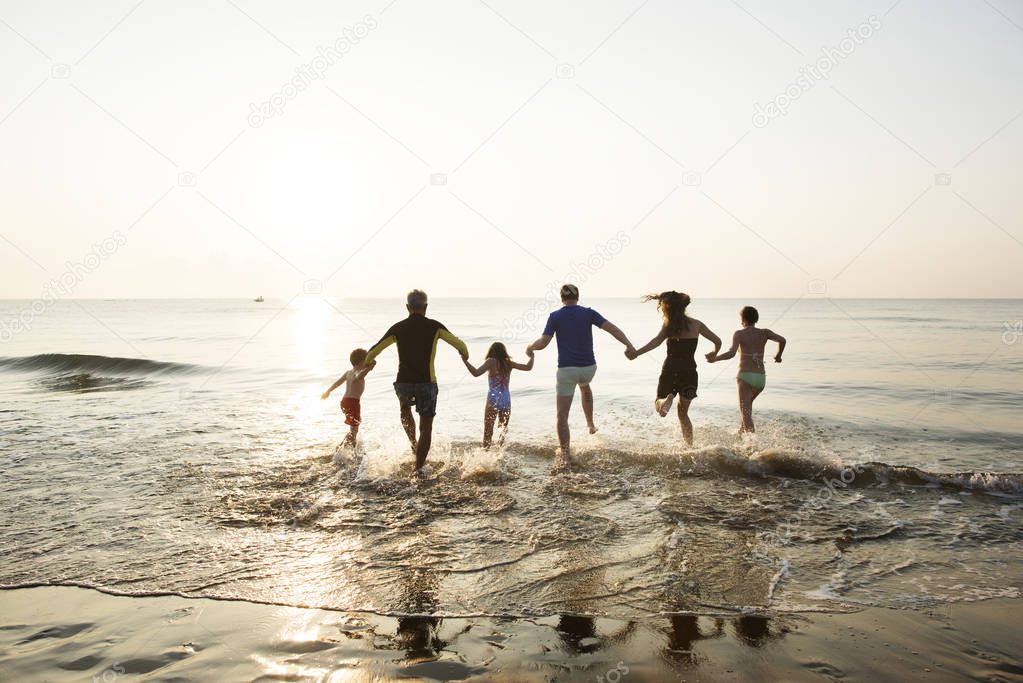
(180, 447)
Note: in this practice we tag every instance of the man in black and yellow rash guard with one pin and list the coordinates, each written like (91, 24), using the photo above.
(416, 385)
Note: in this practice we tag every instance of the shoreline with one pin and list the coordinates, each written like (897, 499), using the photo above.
(75, 634)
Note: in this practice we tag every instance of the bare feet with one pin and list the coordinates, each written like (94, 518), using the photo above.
(593, 428)
(568, 464)
(663, 405)
(564, 461)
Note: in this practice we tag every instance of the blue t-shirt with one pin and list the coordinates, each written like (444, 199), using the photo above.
(573, 328)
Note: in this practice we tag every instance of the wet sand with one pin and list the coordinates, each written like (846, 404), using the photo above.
(75, 634)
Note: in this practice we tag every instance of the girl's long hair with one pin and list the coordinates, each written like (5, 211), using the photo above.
(673, 307)
(498, 352)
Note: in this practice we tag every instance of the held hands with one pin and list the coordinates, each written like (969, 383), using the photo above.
(631, 353)
(712, 357)
(530, 352)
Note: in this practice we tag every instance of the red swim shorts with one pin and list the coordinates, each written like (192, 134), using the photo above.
(352, 410)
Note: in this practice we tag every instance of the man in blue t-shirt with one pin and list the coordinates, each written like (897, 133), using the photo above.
(573, 325)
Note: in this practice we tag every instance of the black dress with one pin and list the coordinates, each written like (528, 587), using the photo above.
(678, 375)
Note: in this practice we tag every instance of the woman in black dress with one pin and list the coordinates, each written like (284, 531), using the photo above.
(678, 375)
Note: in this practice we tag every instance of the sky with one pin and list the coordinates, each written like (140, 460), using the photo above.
(492, 148)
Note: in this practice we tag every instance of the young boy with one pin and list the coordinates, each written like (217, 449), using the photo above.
(356, 378)
(752, 378)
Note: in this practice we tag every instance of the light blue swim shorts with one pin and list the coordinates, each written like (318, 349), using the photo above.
(571, 377)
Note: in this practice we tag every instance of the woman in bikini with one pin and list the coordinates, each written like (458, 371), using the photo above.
(678, 374)
(752, 377)
(498, 406)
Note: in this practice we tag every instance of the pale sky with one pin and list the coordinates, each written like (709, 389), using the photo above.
(559, 127)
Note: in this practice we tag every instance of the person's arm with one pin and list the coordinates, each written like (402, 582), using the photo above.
(613, 330)
(548, 333)
(476, 372)
(385, 341)
(781, 344)
(334, 386)
(727, 355)
(540, 343)
(527, 366)
(364, 369)
(444, 334)
(649, 346)
(716, 340)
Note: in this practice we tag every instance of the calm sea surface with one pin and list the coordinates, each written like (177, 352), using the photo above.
(181, 447)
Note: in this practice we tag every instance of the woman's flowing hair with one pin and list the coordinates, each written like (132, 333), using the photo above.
(498, 352)
(673, 307)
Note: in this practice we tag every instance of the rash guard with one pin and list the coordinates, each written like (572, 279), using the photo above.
(416, 337)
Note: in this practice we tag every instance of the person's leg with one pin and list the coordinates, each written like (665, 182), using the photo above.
(408, 422)
(426, 406)
(353, 433)
(425, 437)
(503, 418)
(754, 392)
(489, 415)
(564, 436)
(663, 405)
(745, 407)
(683, 417)
(586, 394)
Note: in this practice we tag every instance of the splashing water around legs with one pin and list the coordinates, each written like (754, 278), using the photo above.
(408, 422)
(490, 416)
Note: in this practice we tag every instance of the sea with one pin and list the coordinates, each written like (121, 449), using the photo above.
(181, 447)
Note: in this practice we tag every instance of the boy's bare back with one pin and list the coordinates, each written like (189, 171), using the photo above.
(355, 382)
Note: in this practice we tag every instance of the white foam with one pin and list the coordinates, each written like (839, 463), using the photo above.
(478, 462)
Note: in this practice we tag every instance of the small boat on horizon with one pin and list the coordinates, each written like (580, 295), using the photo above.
(259, 299)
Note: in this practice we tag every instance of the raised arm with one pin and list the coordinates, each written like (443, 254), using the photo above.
(781, 344)
(727, 355)
(364, 369)
(540, 343)
(613, 330)
(527, 366)
(463, 350)
(714, 339)
(476, 372)
(334, 386)
(385, 341)
(649, 346)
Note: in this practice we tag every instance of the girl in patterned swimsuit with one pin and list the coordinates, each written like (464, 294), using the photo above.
(498, 406)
